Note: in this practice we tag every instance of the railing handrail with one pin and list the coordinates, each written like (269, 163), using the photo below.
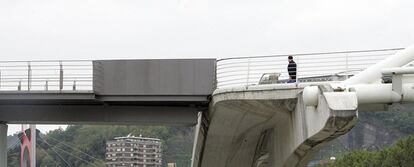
(229, 71)
(48, 75)
(313, 53)
(247, 70)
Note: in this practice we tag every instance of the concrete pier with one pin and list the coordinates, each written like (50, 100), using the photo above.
(3, 144)
(269, 126)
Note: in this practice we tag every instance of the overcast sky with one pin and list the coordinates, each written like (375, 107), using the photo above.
(113, 29)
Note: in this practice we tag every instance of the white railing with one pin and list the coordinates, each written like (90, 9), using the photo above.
(77, 75)
(242, 71)
(73, 75)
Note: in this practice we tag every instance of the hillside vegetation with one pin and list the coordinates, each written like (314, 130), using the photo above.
(367, 144)
(85, 145)
(401, 154)
(375, 140)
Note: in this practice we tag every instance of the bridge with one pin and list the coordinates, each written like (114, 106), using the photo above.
(245, 113)
(169, 92)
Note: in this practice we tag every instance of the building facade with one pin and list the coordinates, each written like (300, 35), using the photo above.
(131, 151)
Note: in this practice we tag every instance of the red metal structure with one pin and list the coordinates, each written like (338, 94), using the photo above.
(25, 150)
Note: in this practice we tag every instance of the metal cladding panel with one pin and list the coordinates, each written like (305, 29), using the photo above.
(154, 77)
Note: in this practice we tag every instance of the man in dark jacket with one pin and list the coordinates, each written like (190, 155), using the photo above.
(291, 70)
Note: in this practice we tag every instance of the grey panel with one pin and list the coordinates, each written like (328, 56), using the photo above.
(154, 77)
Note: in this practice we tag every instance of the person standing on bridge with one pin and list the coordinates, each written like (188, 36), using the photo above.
(291, 70)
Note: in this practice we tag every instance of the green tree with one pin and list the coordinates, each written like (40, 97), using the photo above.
(401, 154)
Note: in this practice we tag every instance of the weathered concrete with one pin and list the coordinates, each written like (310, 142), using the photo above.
(3, 144)
(269, 126)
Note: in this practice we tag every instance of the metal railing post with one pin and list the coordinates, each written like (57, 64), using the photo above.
(74, 86)
(297, 69)
(29, 75)
(60, 76)
(47, 86)
(215, 84)
(19, 87)
(346, 66)
(248, 71)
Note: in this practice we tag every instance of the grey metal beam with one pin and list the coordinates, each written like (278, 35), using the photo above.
(45, 96)
(99, 114)
(90, 98)
(143, 98)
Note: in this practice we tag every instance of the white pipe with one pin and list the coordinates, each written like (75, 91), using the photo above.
(375, 93)
(382, 93)
(398, 70)
(373, 73)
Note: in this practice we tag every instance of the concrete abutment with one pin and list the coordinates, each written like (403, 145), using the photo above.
(272, 127)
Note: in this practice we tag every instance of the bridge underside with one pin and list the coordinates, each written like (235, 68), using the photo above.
(88, 108)
(98, 114)
(271, 127)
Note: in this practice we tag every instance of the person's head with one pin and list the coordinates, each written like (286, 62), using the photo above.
(290, 58)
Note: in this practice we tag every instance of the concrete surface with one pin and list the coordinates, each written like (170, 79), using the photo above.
(268, 126)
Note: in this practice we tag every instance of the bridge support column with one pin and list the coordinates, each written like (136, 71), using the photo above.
(33, 145)
(200, 138)
(3, 144)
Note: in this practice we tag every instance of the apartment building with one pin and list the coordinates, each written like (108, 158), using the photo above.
(131, 151)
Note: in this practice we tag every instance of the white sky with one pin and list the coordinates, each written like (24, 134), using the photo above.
(113, 29)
